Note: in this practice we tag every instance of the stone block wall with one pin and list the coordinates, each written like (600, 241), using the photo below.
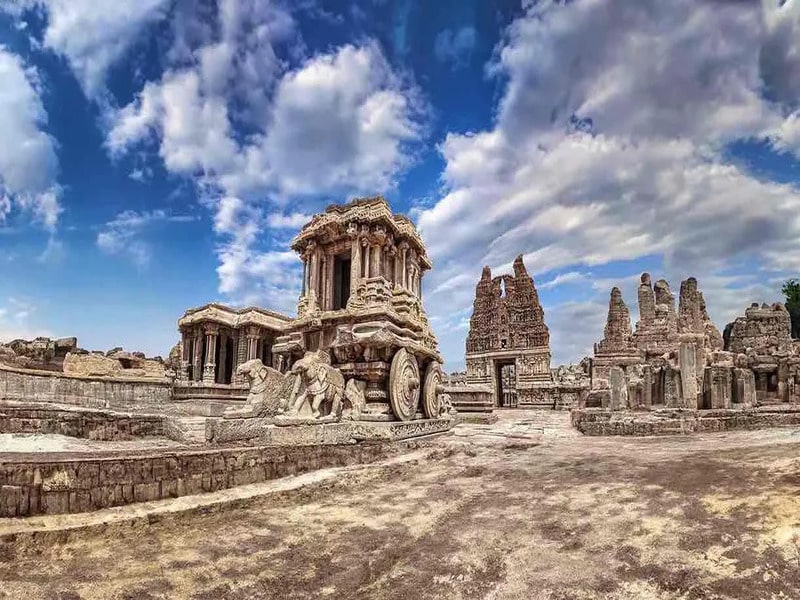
(594, 421)
(41, 486)
(43, 386)
(89, 424)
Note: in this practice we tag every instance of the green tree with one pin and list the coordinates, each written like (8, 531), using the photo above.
(791, 289)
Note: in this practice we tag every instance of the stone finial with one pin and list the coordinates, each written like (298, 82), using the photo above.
(519, 267)
(645, 279)
(486, 275)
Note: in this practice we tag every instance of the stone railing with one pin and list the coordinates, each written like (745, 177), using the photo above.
(99, 392)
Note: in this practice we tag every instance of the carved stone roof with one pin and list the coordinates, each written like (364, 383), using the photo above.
(235, 317)
(333, 223)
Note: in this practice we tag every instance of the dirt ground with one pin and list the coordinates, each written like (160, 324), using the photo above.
(526, 508)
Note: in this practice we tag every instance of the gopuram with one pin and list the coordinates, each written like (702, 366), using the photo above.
(678, 360)
(508, 346)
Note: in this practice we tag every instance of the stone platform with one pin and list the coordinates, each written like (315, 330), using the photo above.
(600, 422)
(265, 432)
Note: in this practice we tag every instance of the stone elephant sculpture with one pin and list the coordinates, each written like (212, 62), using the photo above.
(317, 384)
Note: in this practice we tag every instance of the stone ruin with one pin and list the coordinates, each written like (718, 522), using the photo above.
(64, 356)
(508, 346)
(679, 359)
(762, 341)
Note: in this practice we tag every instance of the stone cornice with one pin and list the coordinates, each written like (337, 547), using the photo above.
(235, 317)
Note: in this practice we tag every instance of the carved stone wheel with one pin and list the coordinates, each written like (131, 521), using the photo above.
(404, 385)
(430, 390)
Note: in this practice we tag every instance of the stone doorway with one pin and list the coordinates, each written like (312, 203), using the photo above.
(506, 383)
(341, 281)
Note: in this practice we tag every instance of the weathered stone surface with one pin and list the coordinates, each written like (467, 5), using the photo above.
(617, 338)
(78, 485)
(592, 421)
(619, 389)
(46, 386)
(80, 423)
(687, 357)
(763, 329)
(116, 364)
(718, 387)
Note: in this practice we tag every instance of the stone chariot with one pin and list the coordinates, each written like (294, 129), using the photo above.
(361, 347)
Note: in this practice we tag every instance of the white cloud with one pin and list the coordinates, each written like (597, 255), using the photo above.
(249, 275)
(338, 123)
(125, 235)
(28, 162)
(608, 146)
(92, 35)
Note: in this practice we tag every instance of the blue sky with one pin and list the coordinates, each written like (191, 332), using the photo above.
(160, 154)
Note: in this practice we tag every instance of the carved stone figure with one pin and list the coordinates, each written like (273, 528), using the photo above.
(354, 401)
(318, 386)
(267, 388)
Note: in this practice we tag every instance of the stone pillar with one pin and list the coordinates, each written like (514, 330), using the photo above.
(252, 343)
(197, 365)
(397, 264)
(329, 275)
(209, 369)
(241, 357)
(186, 355)
(313, 276)
(305, 276)
(223, 358)
(366, 249)
(375, 262)
(687, 357)
(403, 267)
(647, 387)
(619, 388)
(355, 258)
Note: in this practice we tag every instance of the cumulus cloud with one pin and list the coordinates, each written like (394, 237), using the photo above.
(28, 162)
(337, 123)
(125, 234)
(609, 145)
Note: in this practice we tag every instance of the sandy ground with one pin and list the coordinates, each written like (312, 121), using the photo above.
(525, 508)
